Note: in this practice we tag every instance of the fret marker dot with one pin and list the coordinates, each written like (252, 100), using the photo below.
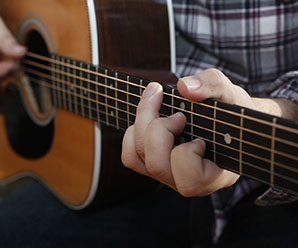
(228, 138)
(111, 85)
(85, 92)
(72, 88)
(112, 113)
(182, 105)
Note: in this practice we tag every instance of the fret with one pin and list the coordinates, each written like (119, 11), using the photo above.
(172, 101)
(97, 95)
(85, 82)
(134, 96)
(63, 83)
(58, 78)
(240, 140)
(112, 99)
(184, 106)
(202, 120)
(214, 128)
(116, 100)
(106, 99)
(140, 88)
(256, 149)
(272, 153)
(69, 88)
(166, 107)
(191, 121)
(228, 135)
(67, 83)
(101, 106)
(89, 91)
(53, 80)
(143, 85)
(254, 143)
(92, 92)
(127, 100)
(74, 89)
(121, 100)
(81, 95)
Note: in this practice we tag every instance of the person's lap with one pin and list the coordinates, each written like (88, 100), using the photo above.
(256, 226)
(32, 217)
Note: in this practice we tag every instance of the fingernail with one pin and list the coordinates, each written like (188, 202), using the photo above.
(191, 83)
(18, 48)
(199, 141)
(177, 115)
(151, 89)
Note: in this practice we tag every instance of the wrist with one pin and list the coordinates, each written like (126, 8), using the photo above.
(279, 107)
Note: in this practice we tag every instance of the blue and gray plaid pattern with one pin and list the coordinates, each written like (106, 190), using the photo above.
(255, 43)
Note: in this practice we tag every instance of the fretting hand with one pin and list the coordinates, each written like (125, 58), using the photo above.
(148, 145)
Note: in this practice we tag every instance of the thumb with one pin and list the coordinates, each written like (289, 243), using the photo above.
(8, 44)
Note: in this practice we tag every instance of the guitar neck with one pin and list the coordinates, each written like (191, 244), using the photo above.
(250, 143)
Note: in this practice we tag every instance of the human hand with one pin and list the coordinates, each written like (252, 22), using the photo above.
(9, 48)
(148, 145)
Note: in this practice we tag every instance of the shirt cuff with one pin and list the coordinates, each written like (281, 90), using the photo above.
(286, 87)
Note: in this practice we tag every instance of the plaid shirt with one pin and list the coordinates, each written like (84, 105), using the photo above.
(255, 43)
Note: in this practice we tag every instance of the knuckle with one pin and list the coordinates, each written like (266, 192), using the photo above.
(154, 124)
(218, 76)
(129, 160)
(179, 151)
(126, 160)
(154, 169)
(140, 149)
(188, 190)
(215, 72)
(140, 108)
(196, 189)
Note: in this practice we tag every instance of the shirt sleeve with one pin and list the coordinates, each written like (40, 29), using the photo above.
(285, 87)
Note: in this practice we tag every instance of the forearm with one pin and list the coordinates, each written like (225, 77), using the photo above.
(278, 106)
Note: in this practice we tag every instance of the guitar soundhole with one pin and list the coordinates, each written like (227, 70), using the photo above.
(28, 109)
(35, 79)
(25, 137)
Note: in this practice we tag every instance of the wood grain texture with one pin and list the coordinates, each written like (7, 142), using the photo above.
(134, 38)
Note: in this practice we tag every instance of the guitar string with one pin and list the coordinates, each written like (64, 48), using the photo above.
(193, 135)
(90, 99)
(249, 165)
(55, 61)
(290, 143)
(224, 155)
(233, 113)
(235, 159)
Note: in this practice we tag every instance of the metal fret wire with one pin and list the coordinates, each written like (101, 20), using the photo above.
(171, 107)
(290, 143)
(211, 141)
(47, 59)
(115, 88)
(206, 129)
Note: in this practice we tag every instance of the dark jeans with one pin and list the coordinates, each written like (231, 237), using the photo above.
(31, 217)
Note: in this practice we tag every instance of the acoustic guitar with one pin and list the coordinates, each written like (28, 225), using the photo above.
(76, 92)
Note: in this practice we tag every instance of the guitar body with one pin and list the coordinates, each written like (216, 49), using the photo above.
(76, 158)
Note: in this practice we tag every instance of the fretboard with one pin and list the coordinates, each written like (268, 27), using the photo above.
(250, 143)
